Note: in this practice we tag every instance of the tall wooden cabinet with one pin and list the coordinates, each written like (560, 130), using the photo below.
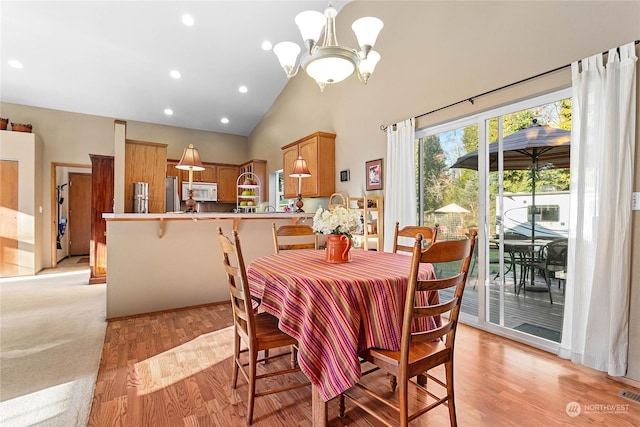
(102, 175)
(318, 150)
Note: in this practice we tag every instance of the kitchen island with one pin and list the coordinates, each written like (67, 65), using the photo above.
(161, 262)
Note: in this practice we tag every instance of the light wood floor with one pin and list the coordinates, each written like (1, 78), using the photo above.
(173, 369)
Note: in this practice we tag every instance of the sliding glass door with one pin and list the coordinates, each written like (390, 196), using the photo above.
(505, 173)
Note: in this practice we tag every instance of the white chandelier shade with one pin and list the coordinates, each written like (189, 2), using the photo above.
(328, 63)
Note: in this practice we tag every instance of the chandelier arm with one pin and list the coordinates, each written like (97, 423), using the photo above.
(293, 74)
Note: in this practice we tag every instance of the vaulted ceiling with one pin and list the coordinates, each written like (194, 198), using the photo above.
(114, 58)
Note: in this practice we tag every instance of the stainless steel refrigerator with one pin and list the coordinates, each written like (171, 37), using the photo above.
(172, 201)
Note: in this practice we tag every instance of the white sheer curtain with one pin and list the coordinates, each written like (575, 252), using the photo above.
(596, 315)
(400, 179)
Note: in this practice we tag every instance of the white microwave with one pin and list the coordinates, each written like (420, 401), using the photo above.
(202, 191)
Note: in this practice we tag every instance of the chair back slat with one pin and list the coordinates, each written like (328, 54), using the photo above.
(432, 334)
(429, 235)
(434, 310)
(296, 236)
(438, 284)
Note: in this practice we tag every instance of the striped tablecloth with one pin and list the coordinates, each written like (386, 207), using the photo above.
(335, 310)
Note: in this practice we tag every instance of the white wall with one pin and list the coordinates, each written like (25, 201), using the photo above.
(70, 137)
(26, 149)
(438, 53)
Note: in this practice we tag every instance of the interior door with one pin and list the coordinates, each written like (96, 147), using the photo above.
(79, 222)
(8, 218)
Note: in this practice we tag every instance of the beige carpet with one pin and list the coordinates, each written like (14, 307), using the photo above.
(52, 329)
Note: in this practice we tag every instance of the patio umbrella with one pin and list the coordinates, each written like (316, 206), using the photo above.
(452, 208)
(535, 147)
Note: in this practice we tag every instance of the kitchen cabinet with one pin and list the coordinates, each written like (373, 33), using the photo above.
(145, 162)
(227, 176)
(259, 169)
(173, 171)
(318, 150)
(209, 174)
(371, 211)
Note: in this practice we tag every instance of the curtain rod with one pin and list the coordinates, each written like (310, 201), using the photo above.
(472, 98)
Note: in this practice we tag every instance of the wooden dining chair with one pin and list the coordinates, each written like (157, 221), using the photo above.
(296, 236)
(258, 331)
(429, 235)
(421, 351)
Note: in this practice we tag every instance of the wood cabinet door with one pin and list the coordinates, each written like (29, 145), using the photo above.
(173, 171)
(289, 156)
(9, 218)
(227, 177)
(102, 174)
(309, 151)
(209, 174)
(145, 162)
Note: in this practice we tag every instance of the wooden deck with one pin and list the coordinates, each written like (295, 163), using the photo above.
(529, 311)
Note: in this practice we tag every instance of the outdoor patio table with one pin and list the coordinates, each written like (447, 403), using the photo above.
(336, 311)
(524, 252)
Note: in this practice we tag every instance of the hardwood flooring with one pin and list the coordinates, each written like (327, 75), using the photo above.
(174, 369)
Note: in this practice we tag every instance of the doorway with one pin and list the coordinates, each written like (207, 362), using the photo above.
(79, 219)
(60, 177)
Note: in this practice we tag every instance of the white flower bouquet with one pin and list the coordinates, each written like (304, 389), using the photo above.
(338, 220)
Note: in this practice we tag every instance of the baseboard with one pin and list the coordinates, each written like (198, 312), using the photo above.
(625, 380)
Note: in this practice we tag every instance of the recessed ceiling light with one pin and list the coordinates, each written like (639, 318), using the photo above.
(266, 45)
(15, 63)
(188, 20)
(175, 74)
(243, 89)
(168, 111)
(224, 120)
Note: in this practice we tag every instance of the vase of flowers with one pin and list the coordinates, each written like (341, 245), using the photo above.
(338, 224)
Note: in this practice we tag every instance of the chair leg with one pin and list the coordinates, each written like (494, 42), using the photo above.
(341, 406)
(253, 356)
(451, 403)
(393, 383)
(236, 360)
(294, 356)
(547, 278)
(403, 402)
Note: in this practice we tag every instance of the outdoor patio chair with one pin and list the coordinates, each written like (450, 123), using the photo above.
(552, 259)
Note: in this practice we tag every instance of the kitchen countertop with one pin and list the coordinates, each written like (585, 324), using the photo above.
(205, 215)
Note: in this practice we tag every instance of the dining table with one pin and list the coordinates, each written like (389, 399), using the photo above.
(336, 311)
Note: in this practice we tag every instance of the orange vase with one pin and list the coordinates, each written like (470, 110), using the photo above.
(338, 249)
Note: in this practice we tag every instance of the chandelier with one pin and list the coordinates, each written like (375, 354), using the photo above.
(328, 62)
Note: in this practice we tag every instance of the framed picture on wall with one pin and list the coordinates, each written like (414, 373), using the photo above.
(374, 174)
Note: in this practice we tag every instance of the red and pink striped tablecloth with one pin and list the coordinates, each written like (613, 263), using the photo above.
(335, 310)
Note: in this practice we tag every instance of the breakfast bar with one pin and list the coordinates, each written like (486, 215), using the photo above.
(161, 262)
